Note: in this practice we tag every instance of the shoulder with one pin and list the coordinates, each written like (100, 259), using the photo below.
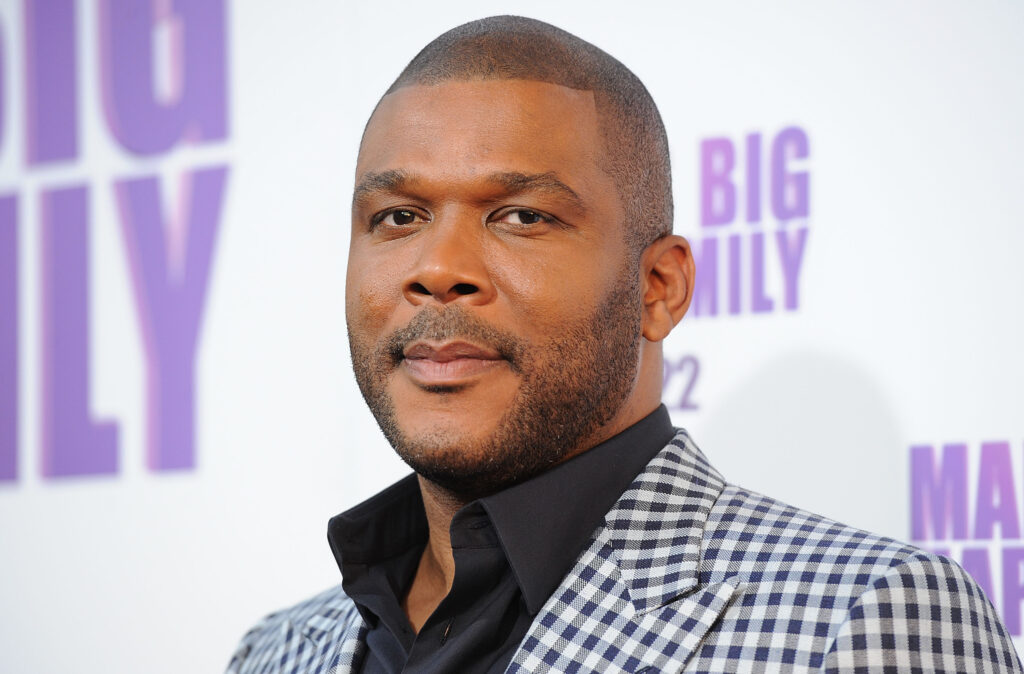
(289, 637)
(869, 601)
(927, 607)
(743, 526)
(746, 533)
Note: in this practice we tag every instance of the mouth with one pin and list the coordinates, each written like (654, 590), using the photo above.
(448, 364)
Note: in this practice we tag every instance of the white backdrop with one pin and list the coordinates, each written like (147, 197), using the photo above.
(902, 331)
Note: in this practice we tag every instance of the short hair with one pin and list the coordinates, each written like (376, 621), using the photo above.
(515, 47)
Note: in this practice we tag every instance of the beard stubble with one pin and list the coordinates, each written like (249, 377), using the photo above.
(571, 385)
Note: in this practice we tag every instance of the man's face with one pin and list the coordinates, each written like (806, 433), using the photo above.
(494, 320)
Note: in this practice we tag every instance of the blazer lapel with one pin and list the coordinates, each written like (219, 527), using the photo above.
(633, 601)
(339, 643)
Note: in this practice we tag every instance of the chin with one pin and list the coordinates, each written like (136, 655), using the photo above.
(473, 465)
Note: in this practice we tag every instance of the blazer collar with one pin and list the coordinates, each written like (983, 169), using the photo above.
(634, 602)
(657, 525)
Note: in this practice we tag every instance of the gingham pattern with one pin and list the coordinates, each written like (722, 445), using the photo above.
(690, 574)
(322, 634)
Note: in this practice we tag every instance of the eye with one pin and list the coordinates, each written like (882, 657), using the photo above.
(399, 217)
(522, 217)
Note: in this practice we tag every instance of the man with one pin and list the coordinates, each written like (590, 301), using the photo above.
(512, 274)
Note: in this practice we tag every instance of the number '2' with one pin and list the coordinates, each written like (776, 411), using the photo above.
(688, 367)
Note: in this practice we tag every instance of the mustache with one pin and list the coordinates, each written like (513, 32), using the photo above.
(449, 324)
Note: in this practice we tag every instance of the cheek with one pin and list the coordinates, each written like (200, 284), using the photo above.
(538, 305)
(548, 292)
(370, 298)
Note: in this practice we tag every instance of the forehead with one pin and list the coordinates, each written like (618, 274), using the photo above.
(481, 126)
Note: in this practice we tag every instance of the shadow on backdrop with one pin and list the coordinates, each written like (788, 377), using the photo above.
(814, 430)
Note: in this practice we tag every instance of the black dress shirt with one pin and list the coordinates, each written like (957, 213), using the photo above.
(511, 550)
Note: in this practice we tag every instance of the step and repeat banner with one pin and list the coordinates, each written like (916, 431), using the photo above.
(178, 416)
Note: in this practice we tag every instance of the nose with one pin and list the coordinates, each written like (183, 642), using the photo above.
(451, 266)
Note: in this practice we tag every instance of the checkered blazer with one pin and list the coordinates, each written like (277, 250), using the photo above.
(688, 573)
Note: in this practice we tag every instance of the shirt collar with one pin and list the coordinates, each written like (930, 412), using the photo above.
(543, 523)
(380, 528)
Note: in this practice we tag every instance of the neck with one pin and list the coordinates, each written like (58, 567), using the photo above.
(440, 506)
(436, 572)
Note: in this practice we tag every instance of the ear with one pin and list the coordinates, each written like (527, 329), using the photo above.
(668, 285)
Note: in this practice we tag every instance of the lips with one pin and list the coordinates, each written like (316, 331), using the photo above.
(449, 363)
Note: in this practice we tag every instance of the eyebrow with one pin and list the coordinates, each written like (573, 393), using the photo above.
(385, 181)
(396, 181)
